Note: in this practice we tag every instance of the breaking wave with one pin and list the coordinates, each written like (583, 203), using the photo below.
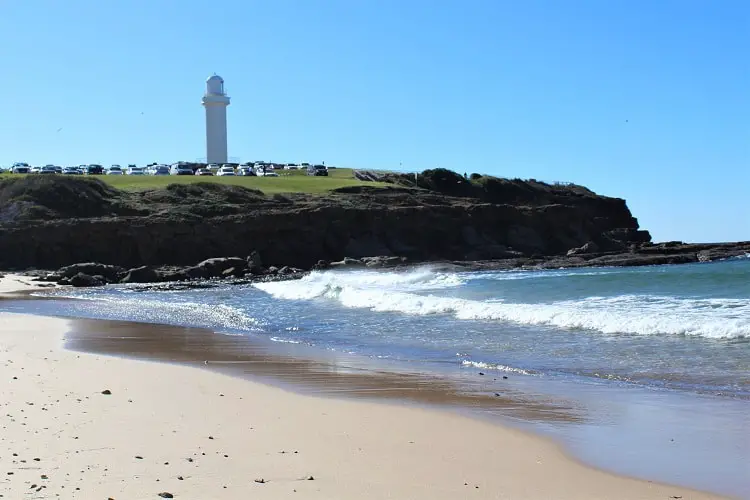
(423, 292)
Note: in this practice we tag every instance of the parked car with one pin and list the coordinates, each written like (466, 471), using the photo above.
(114, 170)
(246, 172)
(317, 170)
(225, 170)
(58, 169)
(35, 170)
(135, 171)
(71, 171)
(214, 167)
(203, 171)
(94, 169)
(159, 170)
(22, 168)
(266, 174)
(47, 169)
(181, 170)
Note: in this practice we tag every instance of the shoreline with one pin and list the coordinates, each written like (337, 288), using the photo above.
(632, 488)
(174, 399)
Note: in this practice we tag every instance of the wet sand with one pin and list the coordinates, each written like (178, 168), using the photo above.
(124, 428)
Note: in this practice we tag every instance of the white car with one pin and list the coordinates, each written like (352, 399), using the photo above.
(214, 167)
(135, 171)
(225, 170)
(115, 170)
(267, 174)
(246, 172)
(181, 170)
(71, 171)
(48, 169)
(20, 168)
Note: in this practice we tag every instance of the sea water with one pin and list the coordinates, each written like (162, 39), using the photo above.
(658, 358)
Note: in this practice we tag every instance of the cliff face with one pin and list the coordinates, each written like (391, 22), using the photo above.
(51, 222)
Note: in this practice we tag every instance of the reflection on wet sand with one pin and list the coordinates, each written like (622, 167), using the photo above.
(329, 374)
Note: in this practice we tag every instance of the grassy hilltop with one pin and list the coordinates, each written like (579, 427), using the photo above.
(289, 181)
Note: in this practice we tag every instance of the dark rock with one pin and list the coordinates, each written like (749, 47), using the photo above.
(589, 247)
(106, 392)
(347, 262)
(143, 274)
(254, 263)
(84, 280)
(272, 270)
(213, 268)
(91, 268)
(175, 276)
(321, 265)
(382, 261)
(166, 494)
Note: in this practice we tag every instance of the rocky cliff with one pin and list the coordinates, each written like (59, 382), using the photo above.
(48, 222)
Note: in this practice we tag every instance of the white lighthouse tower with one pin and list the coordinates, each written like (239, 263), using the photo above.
(216, 101)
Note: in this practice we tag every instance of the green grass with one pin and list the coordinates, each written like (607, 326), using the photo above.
(289, 181)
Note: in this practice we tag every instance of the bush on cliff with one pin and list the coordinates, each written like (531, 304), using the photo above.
(444, 181)
(39, 196)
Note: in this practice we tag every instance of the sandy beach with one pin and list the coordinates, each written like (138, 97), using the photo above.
(88, 426)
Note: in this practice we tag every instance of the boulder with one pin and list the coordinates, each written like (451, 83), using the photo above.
(254, 263)
(175, 276)
(589, 247)
(321, 265)
(143, 274)
(348, 262)
(383, 261)
(84, 280)
(214, 268)
(110, 273)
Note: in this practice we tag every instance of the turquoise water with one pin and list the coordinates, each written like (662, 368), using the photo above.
(647, 353)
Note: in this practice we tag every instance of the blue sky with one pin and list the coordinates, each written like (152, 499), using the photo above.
(645, 100)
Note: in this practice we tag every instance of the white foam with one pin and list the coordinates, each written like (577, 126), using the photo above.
(495, 366)
(629, 314)
(168, 312)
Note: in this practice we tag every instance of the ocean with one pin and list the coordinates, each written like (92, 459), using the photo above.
(641, 354)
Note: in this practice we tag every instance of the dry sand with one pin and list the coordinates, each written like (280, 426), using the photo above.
(203, 435)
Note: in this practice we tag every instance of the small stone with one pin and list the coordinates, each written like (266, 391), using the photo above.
(106, 392)
(138, 457)
(310, 478)
(180, 478)
(260, 481)
(166, 494)
(481, 373)
(505, 377)
(44, 476)
(210, 437)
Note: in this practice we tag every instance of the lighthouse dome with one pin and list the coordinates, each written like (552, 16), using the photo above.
(215, 85)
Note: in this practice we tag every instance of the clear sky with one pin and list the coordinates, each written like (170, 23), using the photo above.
(648, 100)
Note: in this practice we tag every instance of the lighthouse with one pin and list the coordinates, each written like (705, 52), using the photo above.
(216, 101)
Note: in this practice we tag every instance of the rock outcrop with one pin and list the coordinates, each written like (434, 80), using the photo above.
(445, 218)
